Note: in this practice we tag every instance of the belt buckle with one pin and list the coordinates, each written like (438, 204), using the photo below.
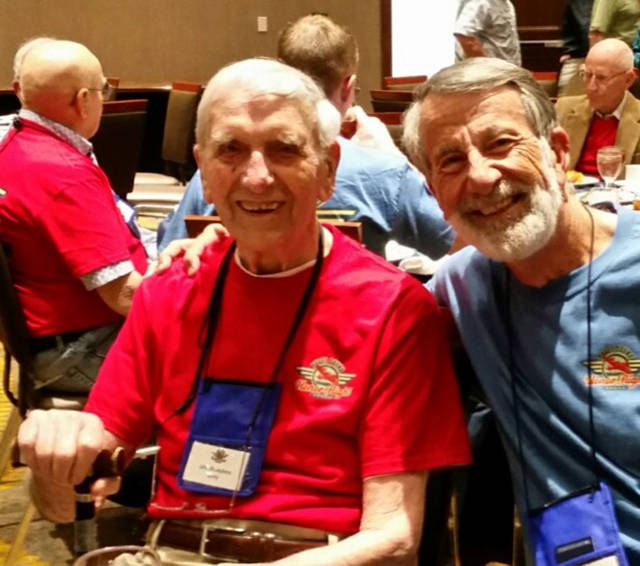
(208, 527)
(204, 539)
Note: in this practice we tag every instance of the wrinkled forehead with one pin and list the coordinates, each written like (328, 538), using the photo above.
(275, 114)
(443, 114)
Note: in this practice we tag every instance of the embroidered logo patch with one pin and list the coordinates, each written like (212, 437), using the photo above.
(219, 456)
(325, 379)
(616, 367)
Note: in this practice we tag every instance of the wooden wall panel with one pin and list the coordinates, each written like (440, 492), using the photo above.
(539, 28)
(163, 40)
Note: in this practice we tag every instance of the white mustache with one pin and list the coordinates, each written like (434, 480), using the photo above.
(503, 191)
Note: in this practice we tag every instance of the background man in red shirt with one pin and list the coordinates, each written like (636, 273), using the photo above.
(74, 261)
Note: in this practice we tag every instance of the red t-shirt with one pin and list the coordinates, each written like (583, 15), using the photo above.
(398, 412)
(60, 219)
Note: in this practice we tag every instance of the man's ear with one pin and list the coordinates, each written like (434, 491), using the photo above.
(630, 77)
(80, 102)
(560, 145)
(332, 158)
(196, 154)
(348, 88)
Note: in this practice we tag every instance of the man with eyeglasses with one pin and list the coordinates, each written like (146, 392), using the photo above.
(607, 114)
(74, 261)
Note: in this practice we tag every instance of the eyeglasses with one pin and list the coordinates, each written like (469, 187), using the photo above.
(586, 76)
(106, 89)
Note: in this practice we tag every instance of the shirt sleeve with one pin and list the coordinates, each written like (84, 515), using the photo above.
(413, 418)
(601, 15)
(471, 20)
(419, 222)
(192, 202)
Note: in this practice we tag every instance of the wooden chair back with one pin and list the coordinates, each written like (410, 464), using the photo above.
(390, 100)
(403, 83)
(179, 127)
(118, 142)
(14, 333)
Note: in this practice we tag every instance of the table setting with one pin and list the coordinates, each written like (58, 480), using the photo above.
(609, 191)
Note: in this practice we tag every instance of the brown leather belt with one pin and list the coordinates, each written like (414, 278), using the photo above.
(222, 544)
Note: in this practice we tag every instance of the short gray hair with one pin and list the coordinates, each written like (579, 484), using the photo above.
(264, 76)
(473, 75)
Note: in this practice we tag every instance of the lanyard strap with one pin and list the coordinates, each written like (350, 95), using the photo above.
(512, 372)
(213, 315)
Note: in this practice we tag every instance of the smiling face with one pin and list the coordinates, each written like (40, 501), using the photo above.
(493, 178)
(263, 168)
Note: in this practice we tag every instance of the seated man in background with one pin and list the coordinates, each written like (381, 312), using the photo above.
(544, 297)
(74, 261)
(607, 114)
(389, 196)
(331, 363)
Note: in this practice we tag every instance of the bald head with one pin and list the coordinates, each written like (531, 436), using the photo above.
(59, 80)
(613, 52)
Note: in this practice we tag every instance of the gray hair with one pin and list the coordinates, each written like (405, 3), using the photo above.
(263, 76)
(473, 75)
(23, 49)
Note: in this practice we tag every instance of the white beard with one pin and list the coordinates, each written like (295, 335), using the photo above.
(518, 234)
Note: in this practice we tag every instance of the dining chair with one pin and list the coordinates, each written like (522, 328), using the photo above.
(178, 136)
(14, 335)
(390, 100)
(118, 142)
(403, 83)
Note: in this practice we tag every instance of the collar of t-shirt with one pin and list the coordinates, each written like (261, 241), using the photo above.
(327, 239)
(82, 144)
(617, 113)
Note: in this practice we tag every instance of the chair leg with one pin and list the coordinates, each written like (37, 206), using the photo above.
(10, 432)
(21, 533)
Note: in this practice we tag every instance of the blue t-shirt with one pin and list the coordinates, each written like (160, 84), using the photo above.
(389, 197)
(548, 341)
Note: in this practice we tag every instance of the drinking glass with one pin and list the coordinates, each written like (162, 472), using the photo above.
(609, 160)
(120, 556)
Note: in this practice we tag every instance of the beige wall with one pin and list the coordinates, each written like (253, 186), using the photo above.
(163, 40)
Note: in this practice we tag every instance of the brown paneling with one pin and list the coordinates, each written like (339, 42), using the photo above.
(539, 28)
(162, 40)
(541, 13)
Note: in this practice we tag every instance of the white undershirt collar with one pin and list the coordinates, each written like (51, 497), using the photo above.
(327, 239)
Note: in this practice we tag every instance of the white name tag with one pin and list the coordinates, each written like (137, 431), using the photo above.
(606, 561)
(216, 466)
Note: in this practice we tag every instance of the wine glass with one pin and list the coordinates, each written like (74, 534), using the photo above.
(609, 160)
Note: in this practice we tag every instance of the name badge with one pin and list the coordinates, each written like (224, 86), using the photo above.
(215, 465)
